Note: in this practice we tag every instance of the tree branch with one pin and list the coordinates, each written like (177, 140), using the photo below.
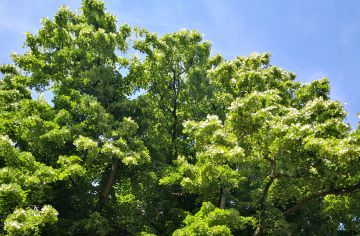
(268, 159)
(264, 193)
(108, 185)
(306, 200)
(174, 113)
(262, 204)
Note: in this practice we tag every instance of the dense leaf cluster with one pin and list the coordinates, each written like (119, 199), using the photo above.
(151, 135)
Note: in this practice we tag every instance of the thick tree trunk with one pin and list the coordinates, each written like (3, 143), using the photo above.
(108, 185)
(222, 199)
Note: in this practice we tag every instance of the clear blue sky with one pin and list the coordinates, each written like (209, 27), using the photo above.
(313, 38)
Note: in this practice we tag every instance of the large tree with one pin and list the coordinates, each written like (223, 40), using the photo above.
(168, 140)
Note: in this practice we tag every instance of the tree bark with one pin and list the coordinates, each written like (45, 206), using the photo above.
(264, 194)
(262, 205)
(108, 185)
(222, 200)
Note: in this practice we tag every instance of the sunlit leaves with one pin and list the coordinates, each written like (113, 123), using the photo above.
(210, 220)
(30, 221)
(149, 143)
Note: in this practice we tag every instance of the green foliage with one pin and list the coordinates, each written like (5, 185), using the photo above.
(29, 221)
(216, 164)
(210, 220)
(168, 140)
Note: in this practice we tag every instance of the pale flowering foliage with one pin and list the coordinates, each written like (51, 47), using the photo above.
(217, 159)
(120, 143)
(276, 155)
(29, 221)
(21, 178)
(210, 220)
(288, 139)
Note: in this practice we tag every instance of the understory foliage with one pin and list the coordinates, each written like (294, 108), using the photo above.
(152, 135)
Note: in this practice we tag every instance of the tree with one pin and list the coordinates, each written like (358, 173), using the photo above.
(172, 141)
(286, 142)
(74, 56)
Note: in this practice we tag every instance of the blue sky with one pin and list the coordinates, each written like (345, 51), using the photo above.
(312, 38)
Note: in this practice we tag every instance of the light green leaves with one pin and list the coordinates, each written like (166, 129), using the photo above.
(217, 161)
(241, 134)
(122, 145)
(210, 220)
(23, 181)
(70, 166)
(85, 144)
(30, 221)
(11, 195)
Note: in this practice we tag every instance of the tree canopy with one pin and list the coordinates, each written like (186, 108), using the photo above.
(154, 135)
